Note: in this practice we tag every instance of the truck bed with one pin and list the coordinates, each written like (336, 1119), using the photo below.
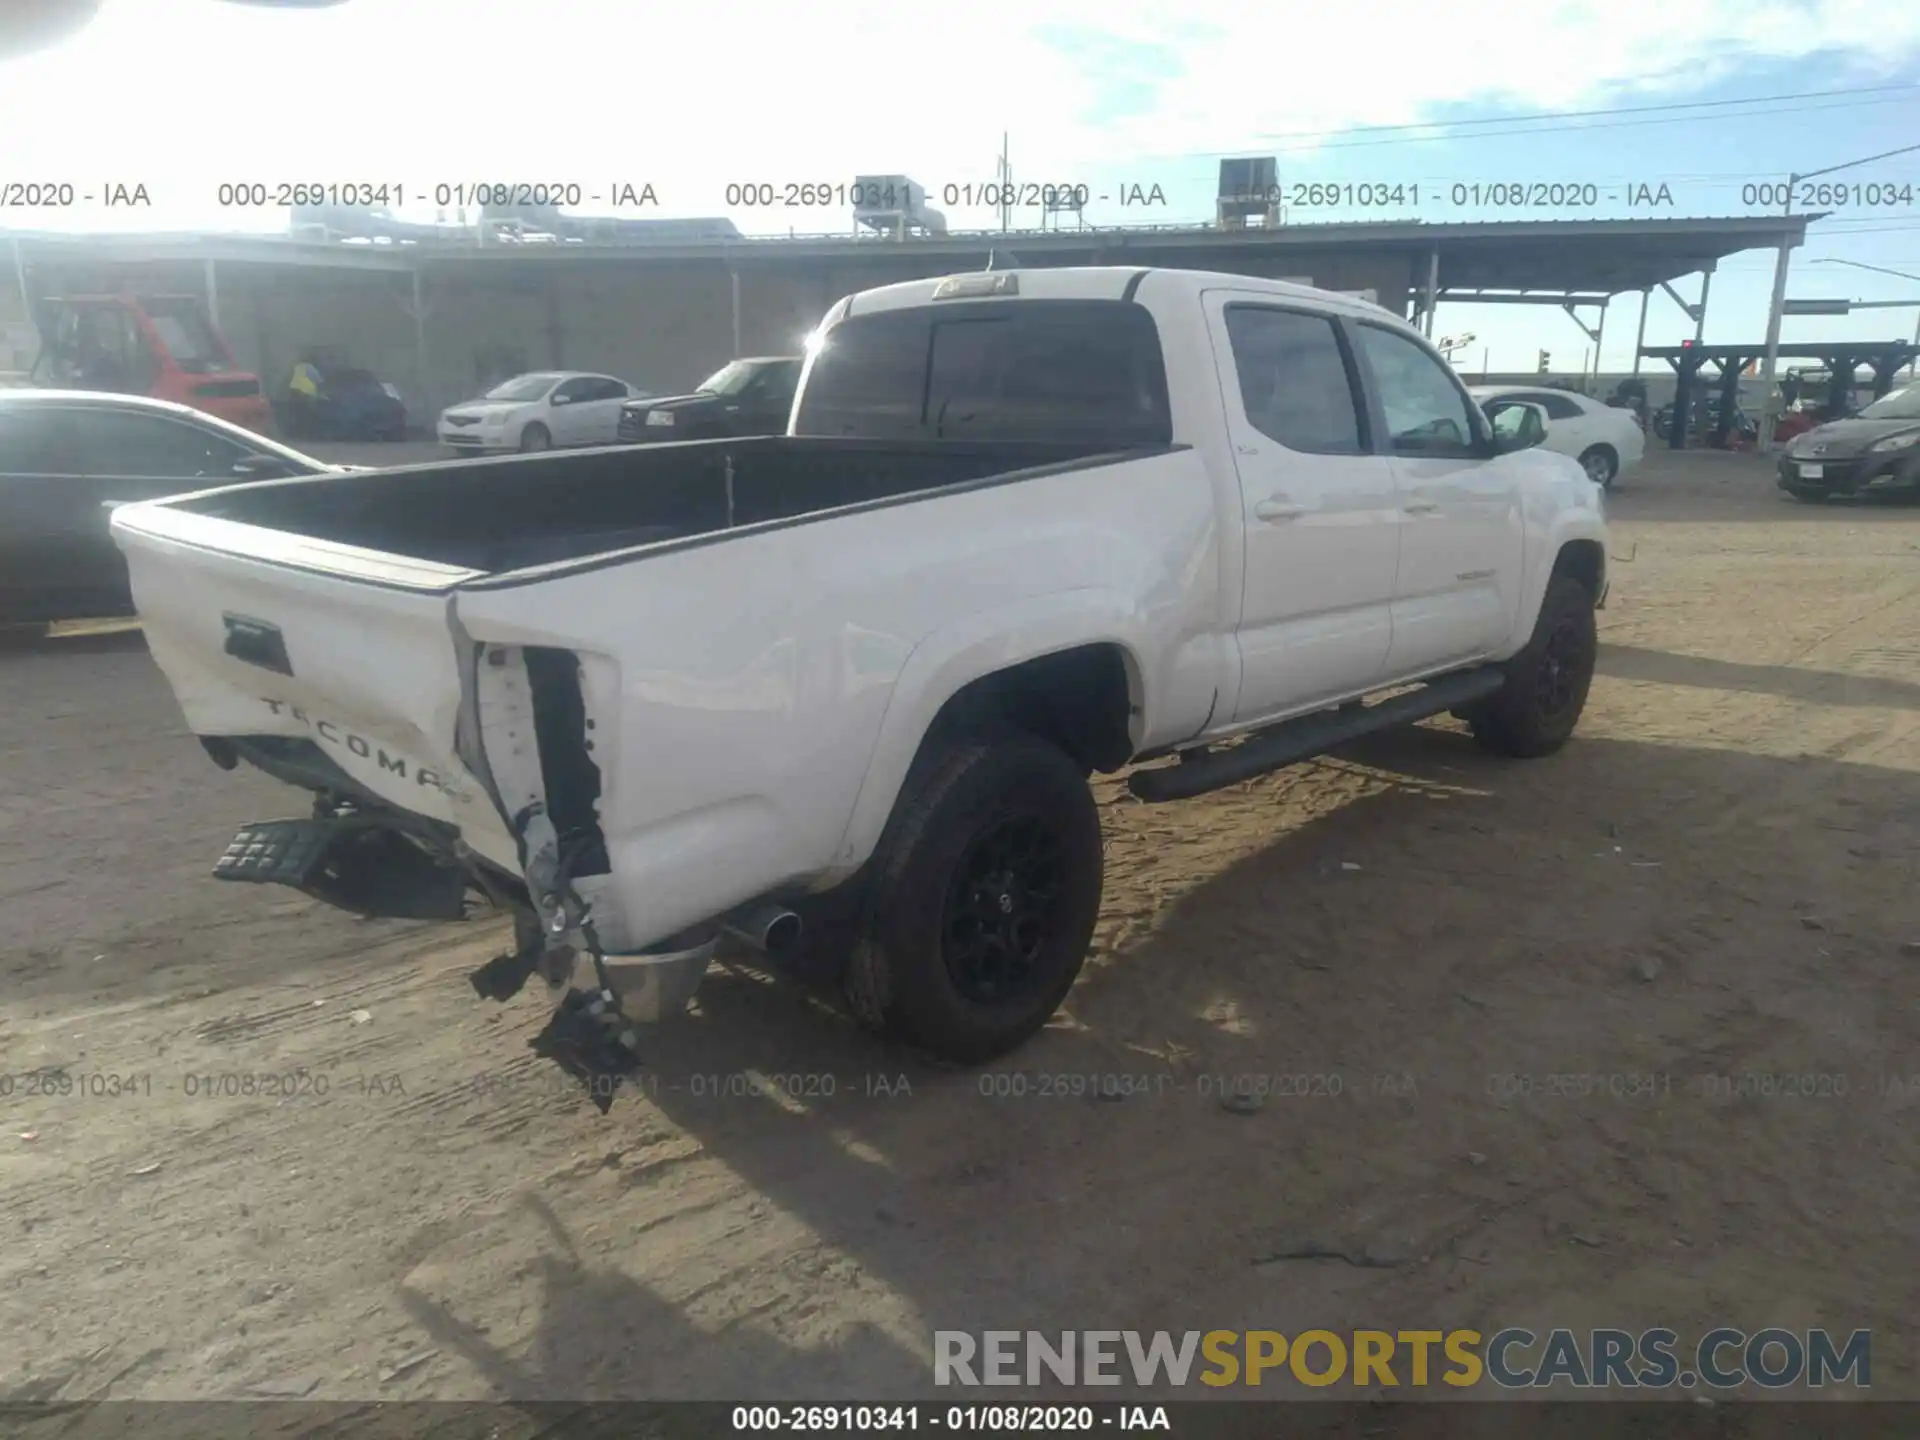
(520, 511)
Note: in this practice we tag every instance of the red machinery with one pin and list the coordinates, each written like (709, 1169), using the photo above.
(159, 345)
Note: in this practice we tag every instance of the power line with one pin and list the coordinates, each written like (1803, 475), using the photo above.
(1522, 129)
(1588, 114)
(1529, 125)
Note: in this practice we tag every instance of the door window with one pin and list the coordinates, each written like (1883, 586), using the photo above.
(36, 440)
(1295, 382)
(1557, 406)
(599, 387)
(1509, 417)
(1426, 410)
(777, 383)
(118, 443)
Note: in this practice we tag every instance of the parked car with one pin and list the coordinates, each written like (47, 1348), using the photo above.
(1606, 440)
(325, 400)
(544, 410)
(745, 397)
(1025, 525)
(1875, 451)
(66, 455)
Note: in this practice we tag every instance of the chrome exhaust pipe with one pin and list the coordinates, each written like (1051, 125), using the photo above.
(768, 928)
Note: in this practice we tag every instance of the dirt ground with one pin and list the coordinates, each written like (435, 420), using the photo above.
(1718, 879)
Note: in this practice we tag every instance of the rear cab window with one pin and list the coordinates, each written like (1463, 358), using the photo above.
(1086, 371)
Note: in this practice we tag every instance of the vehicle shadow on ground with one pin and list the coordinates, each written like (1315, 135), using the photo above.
(1615, 909)
(1790, 682)
(600, 1335)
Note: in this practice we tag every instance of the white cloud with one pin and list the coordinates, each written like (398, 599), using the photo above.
(188, 93)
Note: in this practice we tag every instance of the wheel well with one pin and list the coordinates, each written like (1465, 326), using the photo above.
(1582, 560)
(1081, 700)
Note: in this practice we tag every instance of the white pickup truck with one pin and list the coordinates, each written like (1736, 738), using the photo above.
(1025, 526)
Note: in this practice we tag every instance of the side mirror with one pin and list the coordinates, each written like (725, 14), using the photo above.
(1518, 426)
(559, 399)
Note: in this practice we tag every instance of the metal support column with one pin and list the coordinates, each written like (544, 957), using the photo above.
(1600, 339)
(26, 295)
(1700, 319)
(556, 331)
(733, 276)
(419, 312)
(1640, 335)
(1430, 295)
(213, 295)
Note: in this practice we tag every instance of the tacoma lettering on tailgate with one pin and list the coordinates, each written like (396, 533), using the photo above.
(366, 749)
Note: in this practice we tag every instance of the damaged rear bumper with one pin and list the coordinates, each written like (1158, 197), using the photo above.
(523, 739)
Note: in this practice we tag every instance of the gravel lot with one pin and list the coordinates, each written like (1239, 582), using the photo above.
(1718, 879)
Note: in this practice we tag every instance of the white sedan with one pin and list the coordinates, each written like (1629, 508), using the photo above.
(544, 410)
(1606, 440)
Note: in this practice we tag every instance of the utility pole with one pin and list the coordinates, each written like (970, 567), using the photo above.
(1775, 309)
(1006, 186)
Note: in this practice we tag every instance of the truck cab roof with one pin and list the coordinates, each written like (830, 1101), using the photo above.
(1101, 282)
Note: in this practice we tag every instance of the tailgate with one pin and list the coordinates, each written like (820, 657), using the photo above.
(262, 633)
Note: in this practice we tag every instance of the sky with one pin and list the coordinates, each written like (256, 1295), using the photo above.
(1709, 98)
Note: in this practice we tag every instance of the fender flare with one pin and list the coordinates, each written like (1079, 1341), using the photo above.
(1566, 526)
(954, 656)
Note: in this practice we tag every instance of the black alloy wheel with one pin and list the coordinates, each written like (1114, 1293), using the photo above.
(1005, 903)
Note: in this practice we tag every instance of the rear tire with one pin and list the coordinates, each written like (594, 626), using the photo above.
(534, 438)
(1601, 464)
(986, 886)
(1547, 683)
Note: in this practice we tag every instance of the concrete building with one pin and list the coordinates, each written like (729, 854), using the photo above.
(441, 320)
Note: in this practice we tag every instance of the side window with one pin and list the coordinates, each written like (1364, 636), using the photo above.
(1508, 418)
(36, 440)
(1427, 413)
(118, 443)
(602, 387)
(1557, 406)
(782, 379)
(1295, 381)
(572, 390)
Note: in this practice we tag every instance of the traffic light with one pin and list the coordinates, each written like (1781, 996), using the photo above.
(1545, 356)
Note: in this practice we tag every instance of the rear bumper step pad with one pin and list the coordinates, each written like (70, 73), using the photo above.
(356, 863)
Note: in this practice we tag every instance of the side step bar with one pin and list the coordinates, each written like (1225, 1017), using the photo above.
(1300, 739)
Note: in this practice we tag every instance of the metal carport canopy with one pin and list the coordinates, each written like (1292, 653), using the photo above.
(1561, 257)
(1594, 257)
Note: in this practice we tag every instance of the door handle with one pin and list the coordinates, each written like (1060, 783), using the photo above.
(1277, 509)
(1420, 507)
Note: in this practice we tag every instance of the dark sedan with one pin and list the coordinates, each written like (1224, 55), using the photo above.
(67, 455)
(333, 402)
(1876, 452)
(746, 397)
